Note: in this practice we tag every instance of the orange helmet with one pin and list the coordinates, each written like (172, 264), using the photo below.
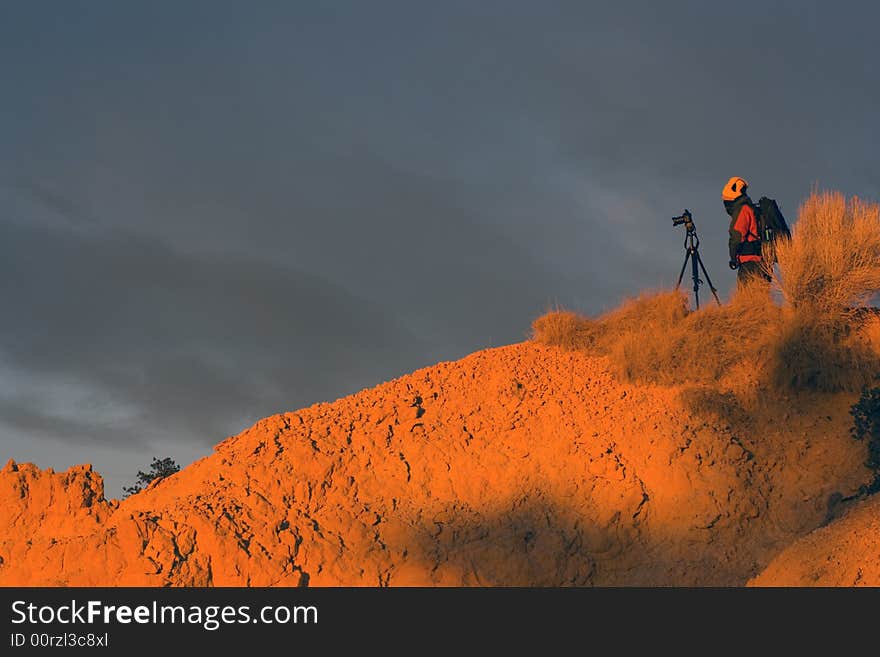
(733, 188)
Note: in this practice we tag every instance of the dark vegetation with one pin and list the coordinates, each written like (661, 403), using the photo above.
(159, 469)
(866, 424)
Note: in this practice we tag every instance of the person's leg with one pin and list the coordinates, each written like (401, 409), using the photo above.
(748, 271)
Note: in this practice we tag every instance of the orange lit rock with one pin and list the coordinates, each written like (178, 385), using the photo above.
(522, 465)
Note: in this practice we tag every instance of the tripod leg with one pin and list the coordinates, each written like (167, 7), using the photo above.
(694, 258)
(708, 280)
(683, 267)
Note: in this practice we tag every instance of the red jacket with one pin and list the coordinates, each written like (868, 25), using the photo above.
(747, 227)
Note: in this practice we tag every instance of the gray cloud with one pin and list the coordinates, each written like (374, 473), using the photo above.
(128, 311)
(209, 213)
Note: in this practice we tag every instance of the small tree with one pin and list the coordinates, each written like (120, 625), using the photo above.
(159, 469)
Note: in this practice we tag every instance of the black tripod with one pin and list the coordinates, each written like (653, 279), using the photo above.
(692, 245)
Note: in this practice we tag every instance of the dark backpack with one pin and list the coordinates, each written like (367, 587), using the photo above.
(771, 227)
(771, 223)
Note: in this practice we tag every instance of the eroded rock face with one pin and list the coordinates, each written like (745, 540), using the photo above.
(523, 465)
(45, 504)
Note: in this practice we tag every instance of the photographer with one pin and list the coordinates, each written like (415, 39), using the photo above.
(745, 243)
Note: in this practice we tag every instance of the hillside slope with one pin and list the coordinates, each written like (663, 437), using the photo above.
(521, 465)
(844, 553)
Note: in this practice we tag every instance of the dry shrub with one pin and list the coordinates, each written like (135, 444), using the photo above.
(828, 272)
(643, 335)
(655, 338)
(820, 338)
(832, 261)
(704, 346)
(825, 353)
(563, 328)
(650, 311)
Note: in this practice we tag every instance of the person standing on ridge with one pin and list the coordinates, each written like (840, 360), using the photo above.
(745, 243)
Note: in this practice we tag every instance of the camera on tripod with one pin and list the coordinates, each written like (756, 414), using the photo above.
(692, 254)
(686, 219)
